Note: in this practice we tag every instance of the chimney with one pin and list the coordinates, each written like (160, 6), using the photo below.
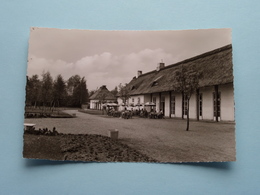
(139, 73)
(160, 66)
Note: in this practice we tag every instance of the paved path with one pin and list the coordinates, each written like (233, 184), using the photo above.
(163, 139)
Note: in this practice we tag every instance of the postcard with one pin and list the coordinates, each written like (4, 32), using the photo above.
(130, 96)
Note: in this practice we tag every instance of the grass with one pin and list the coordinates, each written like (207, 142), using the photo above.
(31, 112)
(80, 148)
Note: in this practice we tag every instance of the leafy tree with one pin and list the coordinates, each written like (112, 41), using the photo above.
(46, 89)
(59, 91)
(80, 93)
(77, 91)
(187, 82)
(91, 92)
(32, 90)
(72, 83)
(123, 92)
(114, 91)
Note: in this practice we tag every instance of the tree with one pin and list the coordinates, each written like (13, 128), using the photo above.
(32, 90)
(80, 93)
(77, 91)
(91, 92)
(123, 92)
(46, 89)
(59, 90)
(114, 91)
(187, 82)
(72, 83)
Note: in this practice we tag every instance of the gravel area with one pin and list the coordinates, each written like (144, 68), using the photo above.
(164, 140)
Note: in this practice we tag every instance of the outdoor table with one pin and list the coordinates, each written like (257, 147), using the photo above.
(28, 126)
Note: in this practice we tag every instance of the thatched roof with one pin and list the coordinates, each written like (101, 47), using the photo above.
(216, 67)
(102, 94)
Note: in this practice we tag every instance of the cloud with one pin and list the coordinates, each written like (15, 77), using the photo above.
(103, 69)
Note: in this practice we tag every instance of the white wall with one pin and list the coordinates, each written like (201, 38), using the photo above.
(119, 100)
(167, 104)
(93, 104)
(178, 104)
(143, 99)
(207, 103)
(147, 98)
(157, 101)
(227, 105)
(193, 106)
(135, 97)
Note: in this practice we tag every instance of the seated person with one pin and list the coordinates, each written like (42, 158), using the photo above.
(160, 114)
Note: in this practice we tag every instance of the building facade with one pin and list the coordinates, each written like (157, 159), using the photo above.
(213, 99)
(101, 97)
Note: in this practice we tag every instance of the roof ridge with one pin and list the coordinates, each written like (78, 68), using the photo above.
(208, 53)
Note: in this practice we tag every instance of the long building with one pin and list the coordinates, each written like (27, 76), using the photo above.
(213, 100)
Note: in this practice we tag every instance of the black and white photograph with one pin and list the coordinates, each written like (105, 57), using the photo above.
(164, 96)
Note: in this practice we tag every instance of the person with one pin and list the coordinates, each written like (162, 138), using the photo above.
(155, 114)
(145, 113)
(142, 113)
(160, 114)
(151, 114)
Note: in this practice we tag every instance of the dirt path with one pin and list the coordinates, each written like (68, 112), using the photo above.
(162, 139)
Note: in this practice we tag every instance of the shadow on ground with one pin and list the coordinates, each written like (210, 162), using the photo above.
(212, 165)
(30, 163)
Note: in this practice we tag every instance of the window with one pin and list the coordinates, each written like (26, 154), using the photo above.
(172, 104)
(162, 104)
(155, 81)
(154, 100)
(138, 100)
(200, 104)
(216, 104)
(133, 100)
(162, 99)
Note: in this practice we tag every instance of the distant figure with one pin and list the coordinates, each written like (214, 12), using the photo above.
(160, 114)
(54, 131)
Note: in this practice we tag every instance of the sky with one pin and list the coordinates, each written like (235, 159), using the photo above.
(113, 57)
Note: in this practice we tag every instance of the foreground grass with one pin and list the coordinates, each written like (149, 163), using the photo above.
(80, 148)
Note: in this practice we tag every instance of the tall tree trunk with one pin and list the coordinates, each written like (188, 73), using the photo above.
(170, 114)
(182, 105)
(188, 114)
(198, 104)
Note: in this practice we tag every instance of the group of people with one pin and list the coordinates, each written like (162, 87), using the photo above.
(156, 115)
(111, 111)
(127, 114)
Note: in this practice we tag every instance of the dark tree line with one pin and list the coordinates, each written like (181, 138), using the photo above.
(47, 92)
